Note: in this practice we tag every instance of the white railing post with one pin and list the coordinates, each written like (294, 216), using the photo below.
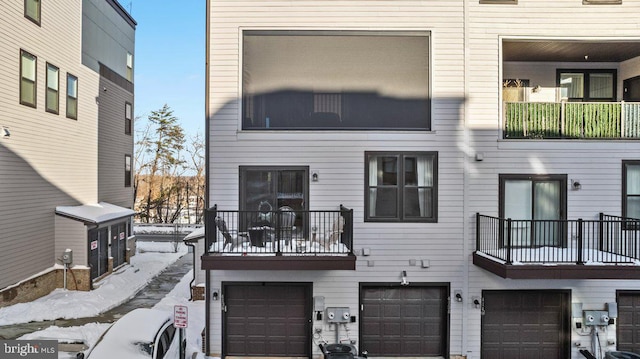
(623, 119)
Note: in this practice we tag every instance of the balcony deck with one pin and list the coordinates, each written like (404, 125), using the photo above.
(279, 240)
(606, 248)
(571, 120)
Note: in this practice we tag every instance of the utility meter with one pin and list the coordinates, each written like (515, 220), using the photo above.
(67, 256)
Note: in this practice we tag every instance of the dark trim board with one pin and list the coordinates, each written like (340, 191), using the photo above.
(560, 271)
(221, 262)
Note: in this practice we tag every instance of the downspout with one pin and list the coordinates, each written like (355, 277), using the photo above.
(465, 182)
(207, 341)
(193, 280)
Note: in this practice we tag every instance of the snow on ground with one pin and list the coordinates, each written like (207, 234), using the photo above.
(110, 292)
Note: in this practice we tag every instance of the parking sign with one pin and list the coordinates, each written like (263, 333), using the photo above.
(180, 316)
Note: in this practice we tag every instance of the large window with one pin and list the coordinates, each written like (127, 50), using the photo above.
(588, 85)
(127, 170)
(335, 80)
(53, 88)
(32, 10)
(27, 79)
(265, 188)
(631, 189)
(72, 97)
(401, 186)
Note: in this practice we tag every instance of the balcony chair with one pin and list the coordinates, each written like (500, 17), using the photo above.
(231, 237)
(286, 223)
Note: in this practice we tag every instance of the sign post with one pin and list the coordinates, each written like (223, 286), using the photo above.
(181, 321)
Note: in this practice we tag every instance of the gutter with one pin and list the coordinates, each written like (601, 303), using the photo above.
(207, 341)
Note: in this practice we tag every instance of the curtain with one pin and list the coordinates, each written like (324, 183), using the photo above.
(373, 181)
(425, 179)
(546, 207)
(601, 86)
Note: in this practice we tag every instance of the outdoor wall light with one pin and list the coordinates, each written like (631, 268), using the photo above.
(476, 302)
(314, 176)
(404, 280)
(6, 133)
(215, 295)
(458, 295)
(576, 185)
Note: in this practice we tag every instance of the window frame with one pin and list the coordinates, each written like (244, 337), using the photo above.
(26, 54)
(401, 217)
(601, 2)
(248, 101)
(585, 90)
(127, 171)
(72, 97)
(128, 117)
(510, 2)
(129, 67)
(57, 90)
(624, 193)
(26, 14)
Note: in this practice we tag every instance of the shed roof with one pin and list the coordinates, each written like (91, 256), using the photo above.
(95, 213)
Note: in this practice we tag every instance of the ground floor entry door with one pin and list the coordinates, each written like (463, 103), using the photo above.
(525, 324)
(267, 319)
(398, 321)
(628, 321)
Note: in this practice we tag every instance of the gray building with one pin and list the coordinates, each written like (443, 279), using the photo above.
(66, 144)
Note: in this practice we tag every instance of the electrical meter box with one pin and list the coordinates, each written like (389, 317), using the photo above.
(596, 317)
(67, 256)
(338, 315)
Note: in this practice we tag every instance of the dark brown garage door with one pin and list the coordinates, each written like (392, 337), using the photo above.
(628, 322)
(525, 324)
(267, 319)
(404, 321)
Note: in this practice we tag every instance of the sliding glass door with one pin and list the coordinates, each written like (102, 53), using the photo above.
(536, 205)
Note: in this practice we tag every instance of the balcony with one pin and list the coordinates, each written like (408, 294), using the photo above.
(572, 120)
(605, 248)
(279, 240)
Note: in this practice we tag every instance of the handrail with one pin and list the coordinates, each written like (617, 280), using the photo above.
(608, 239)
(279, 232)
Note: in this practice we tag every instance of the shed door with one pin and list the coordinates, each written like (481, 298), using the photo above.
(404, 321)
(118, 244)
(267, 319)
(628, 322)
(525, 324)
(98, 255)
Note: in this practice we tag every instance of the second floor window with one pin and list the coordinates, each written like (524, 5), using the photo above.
(348, 80)
(128, 116)
(72, 97)
(588, 85)
(401, 186)
(631, 189)
(127, 170)
(32, 10)
(53, 86)
(27, 79)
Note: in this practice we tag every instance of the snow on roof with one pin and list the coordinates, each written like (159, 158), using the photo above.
(95, 213)
(196, 234)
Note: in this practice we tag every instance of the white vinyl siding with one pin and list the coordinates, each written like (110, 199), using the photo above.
(337, 156)
(38, 175)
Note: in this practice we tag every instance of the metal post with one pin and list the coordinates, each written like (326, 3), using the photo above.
(509, 241)
(580, 244)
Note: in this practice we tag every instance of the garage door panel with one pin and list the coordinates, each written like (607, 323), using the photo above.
(267, 320)
(404, 321)
(534, 325)
(628, 322)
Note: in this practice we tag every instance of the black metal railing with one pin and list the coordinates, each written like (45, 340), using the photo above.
(607, 240)
(279, 232)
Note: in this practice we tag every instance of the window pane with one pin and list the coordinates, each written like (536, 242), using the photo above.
(384, 202)
(387, 171)
(418, 170)
(32, 10)
(517, 199)
(52, 89)
(72, 86)
(573, 83)
(418, 202)
(633, 179)
(633, 207)
(27, 92)
(52, 100)
(297, 79)
(28, 67)
(127, 111)
(601, 85)
(72, 107)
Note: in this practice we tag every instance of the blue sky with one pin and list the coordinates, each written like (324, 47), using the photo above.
(169, 59)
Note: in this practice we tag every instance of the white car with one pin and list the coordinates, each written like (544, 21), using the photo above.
(140, 334)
